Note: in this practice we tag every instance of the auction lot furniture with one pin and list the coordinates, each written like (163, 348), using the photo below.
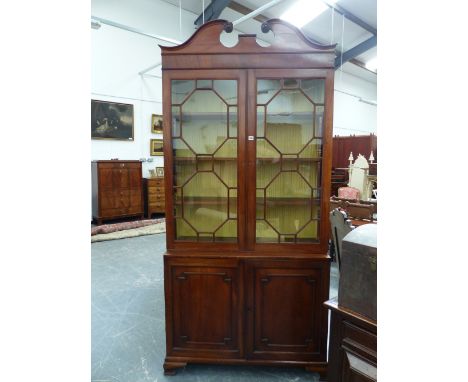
(247, 147)
(116, 189)
(154, 196)
(353, 346)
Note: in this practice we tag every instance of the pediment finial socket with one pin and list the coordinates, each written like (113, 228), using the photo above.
(266, 27)
(228, 27)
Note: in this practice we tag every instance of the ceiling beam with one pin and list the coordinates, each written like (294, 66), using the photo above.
(235, 6)
(351, 17)
(356, 51)
(211, 12)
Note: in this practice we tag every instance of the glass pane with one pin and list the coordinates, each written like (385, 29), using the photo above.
(260, 202)
(265, 233)
(311, 172)
(204, 84)
(225, 162)
(227, 89)
(205, 161)
(266, 89)
(289, 121)
(288, 203)
(288, 171)
(181, 89)
(185, 164)
(312, 150)
(315, 89)
(233, 203)
(319, 111)
(289, 163)
(260, 121)
(204, 117)
(228, 232)
(176, 121)
(310, 231)
(205, 202)
(183, 230)
(232, 121)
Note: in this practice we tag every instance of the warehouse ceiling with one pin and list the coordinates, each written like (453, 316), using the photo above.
(351, 24)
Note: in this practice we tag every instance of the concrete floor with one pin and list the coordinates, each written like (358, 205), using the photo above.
(128, 329)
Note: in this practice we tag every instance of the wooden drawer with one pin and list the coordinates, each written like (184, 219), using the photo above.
(156, 182)
(359, 341)
(154, 198)
(120, 165)
(156, 190)
(158, 207)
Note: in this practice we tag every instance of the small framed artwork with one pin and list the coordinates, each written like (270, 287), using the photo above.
(160, 172)
(157, 124)
(156, 147)
(111, 120)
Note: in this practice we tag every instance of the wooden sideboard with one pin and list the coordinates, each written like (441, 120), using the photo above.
(154, 196)
(353, 346)
(116, 189)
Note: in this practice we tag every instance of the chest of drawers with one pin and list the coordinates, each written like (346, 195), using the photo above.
(116, 189)
(154, 196)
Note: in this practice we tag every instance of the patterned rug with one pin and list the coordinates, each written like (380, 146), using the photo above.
(127, 229)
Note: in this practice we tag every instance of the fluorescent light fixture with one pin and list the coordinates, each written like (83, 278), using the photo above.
(372, 64)
(303, 11)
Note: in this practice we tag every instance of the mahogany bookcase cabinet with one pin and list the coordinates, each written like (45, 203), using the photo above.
(248, 134)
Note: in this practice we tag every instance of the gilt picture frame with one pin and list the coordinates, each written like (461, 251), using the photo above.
(160, 172)
(156, 147)
(156, 124)
(112, 120)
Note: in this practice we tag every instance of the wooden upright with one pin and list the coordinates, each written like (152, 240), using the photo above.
(247, 146)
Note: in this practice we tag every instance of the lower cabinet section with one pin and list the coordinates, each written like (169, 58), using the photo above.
(353, 346)
(242, 310)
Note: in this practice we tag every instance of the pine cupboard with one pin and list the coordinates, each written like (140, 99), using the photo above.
(248, 164)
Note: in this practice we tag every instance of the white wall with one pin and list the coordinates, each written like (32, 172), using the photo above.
(118, 56)
(351, 116)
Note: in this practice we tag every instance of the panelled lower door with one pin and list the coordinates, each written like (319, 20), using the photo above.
(205, 305)
(285, 317)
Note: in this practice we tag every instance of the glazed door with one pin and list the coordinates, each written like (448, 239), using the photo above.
(285, 316)
(203, 297)
(205, 152)
(288, 174)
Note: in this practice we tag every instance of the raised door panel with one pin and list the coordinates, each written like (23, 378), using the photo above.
(205, 310)
(134, 175)
(286, 314)
(106, 181)
(135, 199)
(121, 178)
(109, 199)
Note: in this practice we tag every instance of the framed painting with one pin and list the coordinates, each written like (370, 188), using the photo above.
(157, 124)
(156, 147)
(111, 120)
(160, 171)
